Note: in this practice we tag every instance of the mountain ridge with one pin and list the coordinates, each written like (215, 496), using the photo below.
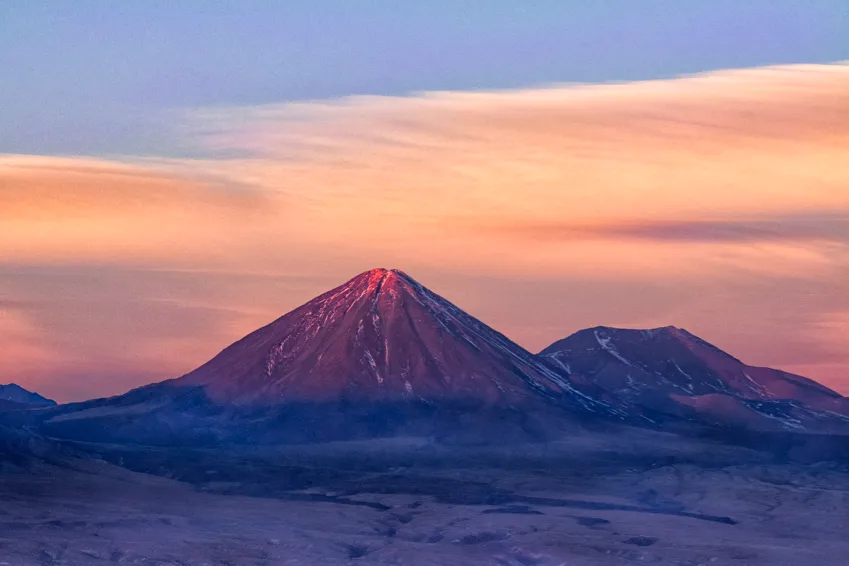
(382, 354)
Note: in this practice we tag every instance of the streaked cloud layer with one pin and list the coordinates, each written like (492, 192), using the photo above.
(718, 202)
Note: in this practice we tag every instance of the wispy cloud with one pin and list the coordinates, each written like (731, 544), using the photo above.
(826, 227)
(79, 209)
(732, 157)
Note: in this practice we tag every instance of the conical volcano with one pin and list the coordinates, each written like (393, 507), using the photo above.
(379, 355)
(381, 336)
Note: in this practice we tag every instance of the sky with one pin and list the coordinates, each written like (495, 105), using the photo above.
(174, 175)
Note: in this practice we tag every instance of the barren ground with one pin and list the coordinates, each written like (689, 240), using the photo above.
(411, 502)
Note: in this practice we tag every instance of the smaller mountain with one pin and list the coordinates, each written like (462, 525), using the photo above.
(13, 395)
(672, 371)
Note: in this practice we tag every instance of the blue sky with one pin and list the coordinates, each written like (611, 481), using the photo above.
(102, 77)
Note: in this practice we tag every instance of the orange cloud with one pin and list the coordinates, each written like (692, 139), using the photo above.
(761, 141)
(429, 169)
(78, 209)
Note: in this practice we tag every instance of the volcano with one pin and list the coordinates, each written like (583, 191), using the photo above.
(381, 336)
(671, 370)
(380, 354)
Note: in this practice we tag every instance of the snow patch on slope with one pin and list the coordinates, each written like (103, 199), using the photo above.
(606, 343)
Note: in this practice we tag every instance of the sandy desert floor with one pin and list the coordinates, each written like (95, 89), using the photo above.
(547, 505)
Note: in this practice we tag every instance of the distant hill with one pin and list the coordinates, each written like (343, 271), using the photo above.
(17, 395)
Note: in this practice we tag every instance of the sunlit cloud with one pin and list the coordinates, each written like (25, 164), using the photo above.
(731, 153)
(719, 202)
(73, 209)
